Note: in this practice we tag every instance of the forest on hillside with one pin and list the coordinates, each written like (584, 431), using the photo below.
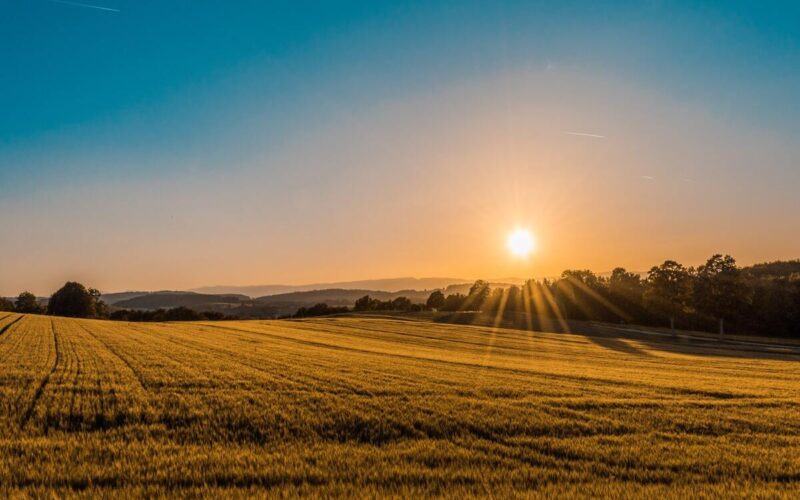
(763, 299)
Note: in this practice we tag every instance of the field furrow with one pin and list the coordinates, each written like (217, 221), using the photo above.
(377, 407)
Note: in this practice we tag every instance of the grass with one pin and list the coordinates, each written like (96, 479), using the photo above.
(386, 407)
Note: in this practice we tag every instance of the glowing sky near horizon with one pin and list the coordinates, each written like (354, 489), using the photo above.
(169, 145)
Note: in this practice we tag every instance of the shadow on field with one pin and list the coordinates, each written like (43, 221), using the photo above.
(617, 338)
(616, 344)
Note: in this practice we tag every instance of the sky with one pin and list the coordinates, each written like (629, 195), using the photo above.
(150, 145)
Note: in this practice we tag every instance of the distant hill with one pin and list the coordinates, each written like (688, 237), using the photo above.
(269, 306)
(777, 269)
(166, 300)
(290, 302)
(384, 285)
(113, 298)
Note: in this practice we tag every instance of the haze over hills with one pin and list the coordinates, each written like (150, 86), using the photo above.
(384, 285)
(269, 306)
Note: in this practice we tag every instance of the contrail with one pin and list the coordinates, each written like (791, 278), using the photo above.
(585, 134)
(88, 6)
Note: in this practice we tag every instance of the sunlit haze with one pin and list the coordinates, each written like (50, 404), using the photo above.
(521, 242)
(163, 146)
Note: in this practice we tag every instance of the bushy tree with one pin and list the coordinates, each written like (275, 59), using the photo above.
(669, 289)
(453, 302)
(539, 297)
(365, 303)
(626, 285)
(581, 294)
(626, 291)
(719, 289)
(75, 301)
(100, 308)
(514, 299)
(435, 300)
(27, 303)
(401, 304)
(6, 305)
(493, 302)
(478, 293)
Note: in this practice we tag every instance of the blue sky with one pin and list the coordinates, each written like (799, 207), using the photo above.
(95, 99)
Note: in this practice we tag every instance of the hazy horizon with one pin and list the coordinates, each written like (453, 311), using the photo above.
(207, 288)
(147, 146)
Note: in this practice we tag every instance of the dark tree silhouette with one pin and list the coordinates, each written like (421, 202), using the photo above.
(176, 314)
(365, 303)
(719, 290)
(514, 299)
(453, 302)
(435, 300)
(6, 305)
(75, 301)
(401, 304)
(26, 303)
(626, 285)
(478, 293)
(669, 288)
(321, 309)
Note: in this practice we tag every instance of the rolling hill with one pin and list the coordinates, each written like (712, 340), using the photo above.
(270, 306)
(167, 300)
(383, 285)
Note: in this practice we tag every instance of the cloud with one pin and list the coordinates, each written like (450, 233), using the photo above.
(648, 177)
(586, 134)
(86, 5)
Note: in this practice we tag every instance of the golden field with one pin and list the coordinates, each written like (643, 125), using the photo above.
(361, 406)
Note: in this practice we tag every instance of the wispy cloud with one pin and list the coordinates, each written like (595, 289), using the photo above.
(586, 134)
(648, 177)
(86, 5)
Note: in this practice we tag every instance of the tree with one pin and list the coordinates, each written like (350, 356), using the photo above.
(453, 302)
(719, 289)
(26, 303)
(478, 293)
(75, 301)
(435, 300)
(493, 302)
(581, 295)
(6, 305)
(583, 276)
(514, 299)
(669, 288)
(625, 284)
(401, 304)
(626, 291)
(100, 307)
(365, 303)
(321, 309)
(539, 298)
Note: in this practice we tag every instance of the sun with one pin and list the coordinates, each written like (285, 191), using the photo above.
(521, 242)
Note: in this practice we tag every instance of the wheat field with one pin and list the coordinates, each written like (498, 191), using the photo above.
(386, 407)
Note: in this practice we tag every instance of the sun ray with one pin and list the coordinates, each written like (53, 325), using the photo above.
(599, 298)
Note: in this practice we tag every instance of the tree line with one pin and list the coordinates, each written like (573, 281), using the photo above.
(71, 300)
(74, 300)
(180, 313)
(717, 296)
